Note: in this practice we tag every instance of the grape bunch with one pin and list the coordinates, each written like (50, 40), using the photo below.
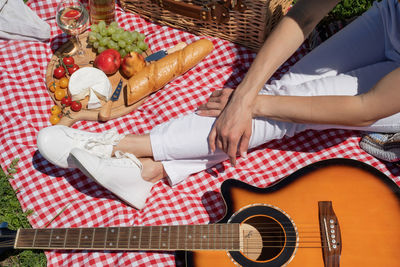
(112, 36)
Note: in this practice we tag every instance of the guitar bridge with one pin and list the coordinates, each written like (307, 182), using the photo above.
(331, 240)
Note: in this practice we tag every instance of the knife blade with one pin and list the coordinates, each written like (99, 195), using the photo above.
(162, 53)
(105, 111)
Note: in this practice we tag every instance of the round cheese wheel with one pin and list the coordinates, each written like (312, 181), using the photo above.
(86, 79)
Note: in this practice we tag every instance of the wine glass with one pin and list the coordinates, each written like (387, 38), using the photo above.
(72, 18)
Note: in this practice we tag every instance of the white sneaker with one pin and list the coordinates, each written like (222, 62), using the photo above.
(122, 175)
(56, 142)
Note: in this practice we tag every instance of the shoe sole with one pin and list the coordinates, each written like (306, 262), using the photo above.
(88, 174)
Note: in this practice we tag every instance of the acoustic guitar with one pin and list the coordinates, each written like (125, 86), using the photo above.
(337, 212)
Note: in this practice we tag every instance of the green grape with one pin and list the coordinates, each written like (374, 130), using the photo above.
(94, 28)
(114, 24)
(129, 48)
(98, 36)
(115, 36)
(122, 43)
(103, 31)
(101, 49)
(141, 37)
(137, 49)
(92, 37)
(129, 40)
(122, 52)
(96, 45)
(142, 45)
(111, 30)
(120, 30)
(126, 35)
(102, 25)
(134, 35)
(111, 44)
(103, 42)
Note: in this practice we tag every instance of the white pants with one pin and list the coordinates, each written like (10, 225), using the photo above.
(349, 63)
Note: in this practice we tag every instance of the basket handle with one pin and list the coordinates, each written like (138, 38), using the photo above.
(217, 12)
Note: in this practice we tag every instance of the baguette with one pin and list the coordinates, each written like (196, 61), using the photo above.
(157, 74)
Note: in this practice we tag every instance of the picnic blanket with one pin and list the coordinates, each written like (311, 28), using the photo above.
(47, 190)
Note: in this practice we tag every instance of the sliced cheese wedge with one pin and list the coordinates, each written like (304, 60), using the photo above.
(94, 101)
(83, 80)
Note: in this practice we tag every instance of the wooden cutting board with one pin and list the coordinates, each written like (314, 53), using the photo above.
(119, 108)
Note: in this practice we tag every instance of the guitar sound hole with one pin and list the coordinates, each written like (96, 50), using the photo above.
(273, 238)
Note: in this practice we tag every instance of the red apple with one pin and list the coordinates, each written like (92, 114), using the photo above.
(108, 61)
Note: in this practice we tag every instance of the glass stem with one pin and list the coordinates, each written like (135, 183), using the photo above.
(78, 44)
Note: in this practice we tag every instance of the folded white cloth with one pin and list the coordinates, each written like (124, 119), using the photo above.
(19, 22)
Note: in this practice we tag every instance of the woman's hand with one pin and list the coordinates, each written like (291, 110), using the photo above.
(232, 130)
(215, 104)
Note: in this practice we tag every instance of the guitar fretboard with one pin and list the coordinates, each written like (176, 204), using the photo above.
(179, 237)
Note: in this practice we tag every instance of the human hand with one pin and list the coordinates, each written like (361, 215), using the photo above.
(215, 104)
(232, 130)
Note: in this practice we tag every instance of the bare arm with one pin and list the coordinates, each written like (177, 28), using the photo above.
(232, 129)
(362, 110)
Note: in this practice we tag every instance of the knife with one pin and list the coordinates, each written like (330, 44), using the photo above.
(105, 111)
(162, 53)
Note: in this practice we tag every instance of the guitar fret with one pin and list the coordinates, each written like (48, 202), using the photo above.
(111, 240)
(129, 237)
(124, 237)
(51, 234)
(135, 237)
(159, 237)
(85, 240)
(140, 237)
(65, 237)
(215, 236)
(42, 238)
(58, 238)
(169, 238)
(105, 238)
(145, 237)
(79, 239)
(99, 238)
(177, 241)
(72, 240)
(118, 237)
(34, 238)
(94, 232)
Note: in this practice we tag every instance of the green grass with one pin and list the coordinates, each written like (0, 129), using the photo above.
(12, 213)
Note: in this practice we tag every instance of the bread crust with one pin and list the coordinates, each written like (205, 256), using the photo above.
(157, 74)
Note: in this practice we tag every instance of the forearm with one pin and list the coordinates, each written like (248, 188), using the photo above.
(361, 110)
(285, 39)
(338, 110)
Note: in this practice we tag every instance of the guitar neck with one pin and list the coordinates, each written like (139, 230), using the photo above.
(179, 237)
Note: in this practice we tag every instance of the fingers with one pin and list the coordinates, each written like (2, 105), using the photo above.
(211, 139)
(244, 144)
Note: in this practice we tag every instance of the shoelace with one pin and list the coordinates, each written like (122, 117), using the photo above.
(125, 155)
(108, 138)
(97, 143)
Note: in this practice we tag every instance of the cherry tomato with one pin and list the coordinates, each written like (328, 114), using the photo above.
(59, 72)
(68, 60)
(55, 110)
(53, 86)
(66, 100)
(73, 69)
(76, 106)
(54, 119)
(63, 82)
(60, 93)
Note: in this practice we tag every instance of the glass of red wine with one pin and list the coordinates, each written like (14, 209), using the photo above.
(72, 18)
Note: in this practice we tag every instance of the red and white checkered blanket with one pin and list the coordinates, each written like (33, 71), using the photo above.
(47, 190)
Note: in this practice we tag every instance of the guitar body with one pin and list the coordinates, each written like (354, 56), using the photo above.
(365, 201)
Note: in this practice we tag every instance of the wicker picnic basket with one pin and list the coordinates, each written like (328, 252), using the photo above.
(245, 22)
